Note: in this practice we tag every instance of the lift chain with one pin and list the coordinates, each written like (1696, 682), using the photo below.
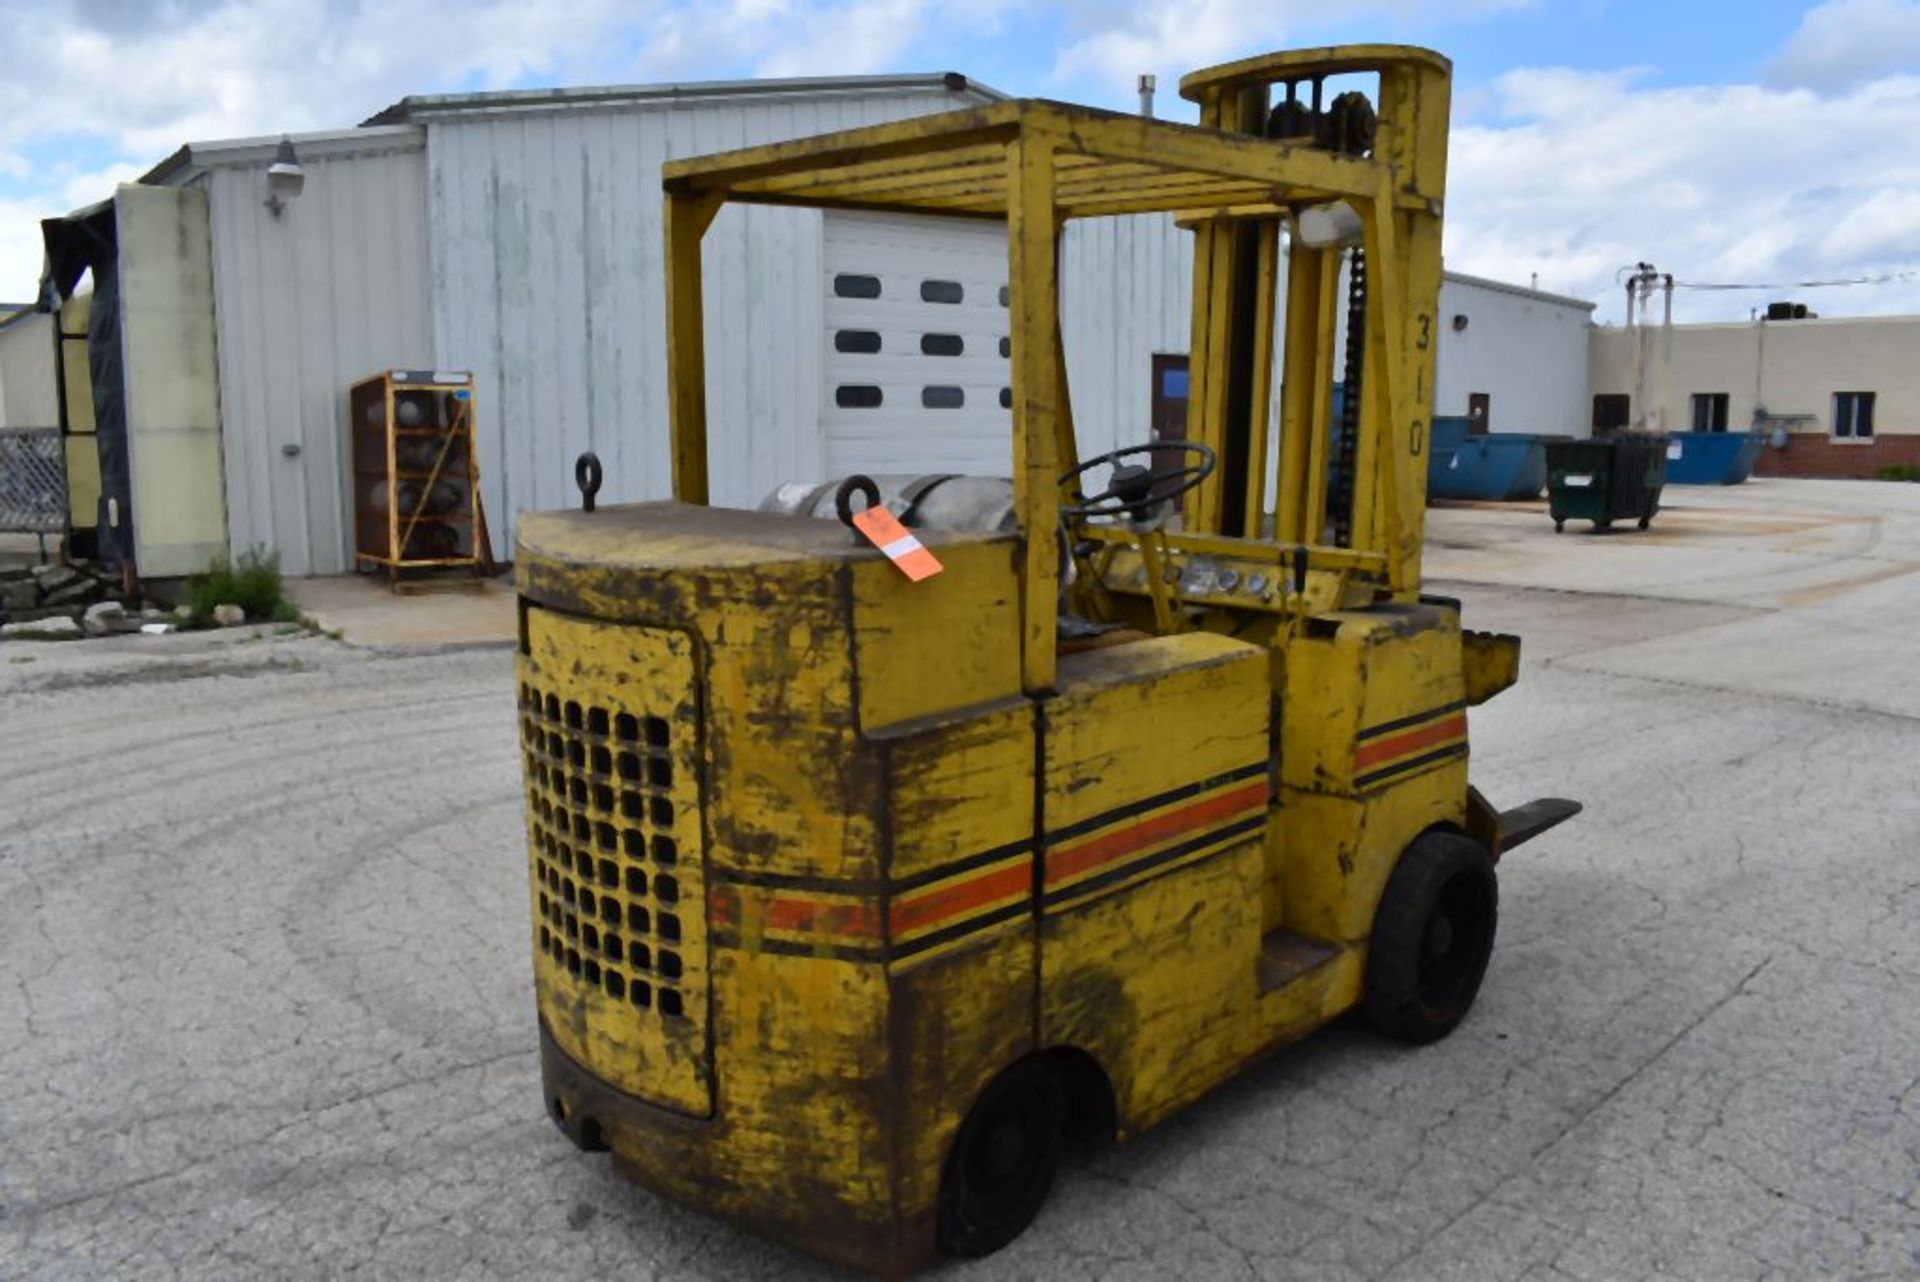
(1346, 448)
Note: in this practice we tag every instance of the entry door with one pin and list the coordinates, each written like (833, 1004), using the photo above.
(1169, 408)
(1479, 413)
(918, 376)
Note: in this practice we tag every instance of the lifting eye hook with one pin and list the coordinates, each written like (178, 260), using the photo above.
(587, 475)
(843, 499)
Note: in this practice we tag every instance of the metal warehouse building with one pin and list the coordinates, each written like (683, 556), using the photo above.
(518, 235)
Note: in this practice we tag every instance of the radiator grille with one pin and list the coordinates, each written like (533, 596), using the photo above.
(609, 734)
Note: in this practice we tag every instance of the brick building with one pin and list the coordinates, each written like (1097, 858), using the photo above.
(1838, 397)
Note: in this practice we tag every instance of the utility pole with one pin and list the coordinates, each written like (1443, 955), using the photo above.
(1648, 416)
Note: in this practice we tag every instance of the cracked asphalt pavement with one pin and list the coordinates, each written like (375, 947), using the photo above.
(265, 1006)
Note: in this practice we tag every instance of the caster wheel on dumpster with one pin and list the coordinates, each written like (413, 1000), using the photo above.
(1645, 521)
(1602, 525)
(1432, 937)
(1558, 526)
(1003, 1160)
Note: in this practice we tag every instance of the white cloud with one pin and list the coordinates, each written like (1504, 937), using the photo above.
(1570, 174)
(807, 37)
(1844, 42)
(855, 38)
(20, 252)
(1115, 42)
(1580, 173)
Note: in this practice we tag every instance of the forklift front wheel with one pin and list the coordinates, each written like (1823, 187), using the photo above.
(1002, 1163)
(1432, 936)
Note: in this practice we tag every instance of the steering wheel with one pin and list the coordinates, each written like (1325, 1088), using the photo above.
(1134, 489)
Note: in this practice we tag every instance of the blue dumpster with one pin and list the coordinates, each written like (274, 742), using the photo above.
(1712, 458)
(1499, 466)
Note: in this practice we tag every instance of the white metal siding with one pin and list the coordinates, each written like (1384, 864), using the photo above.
(167, 355)
(547, 282)
(1526, 351)
(29, 396)
(333, 290)
(1127, 293)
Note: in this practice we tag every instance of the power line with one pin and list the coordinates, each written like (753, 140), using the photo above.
(1883, 279)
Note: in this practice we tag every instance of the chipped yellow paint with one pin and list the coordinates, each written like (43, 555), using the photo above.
(946, 642)
(610, 740)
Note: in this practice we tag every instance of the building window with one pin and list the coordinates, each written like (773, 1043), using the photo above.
(846, 285)
(942, 345)
(941, 291)
(943, 398)
(1610, 412)
(1709, 411)
(1853, 416)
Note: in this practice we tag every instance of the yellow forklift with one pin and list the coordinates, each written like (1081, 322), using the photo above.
(858, 893)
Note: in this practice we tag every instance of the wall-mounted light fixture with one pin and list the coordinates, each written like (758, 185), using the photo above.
(285, 178)
(1459, 321)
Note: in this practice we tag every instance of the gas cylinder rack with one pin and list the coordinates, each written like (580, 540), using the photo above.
(415, 480)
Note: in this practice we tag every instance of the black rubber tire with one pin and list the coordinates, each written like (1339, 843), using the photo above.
(1001, 1166)
(1432, 936)
(1645, 521)
(1602, 525)
(1559, 526)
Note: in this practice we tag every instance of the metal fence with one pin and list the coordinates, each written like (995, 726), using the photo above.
(33, 481)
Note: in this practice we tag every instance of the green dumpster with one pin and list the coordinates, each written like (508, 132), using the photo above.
(1615, 478)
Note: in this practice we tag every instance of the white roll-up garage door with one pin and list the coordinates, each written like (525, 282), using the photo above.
(917, 371)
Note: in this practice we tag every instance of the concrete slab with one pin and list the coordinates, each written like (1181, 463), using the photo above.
(266, 1008)
(1796, 588)
(364, 611)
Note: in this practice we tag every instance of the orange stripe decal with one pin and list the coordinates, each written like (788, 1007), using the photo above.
(1399, 745)
(796, 915)
(931, 907)
(1072, 861)
(823, 917)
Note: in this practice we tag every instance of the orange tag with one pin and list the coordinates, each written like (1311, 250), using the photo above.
(884, 531)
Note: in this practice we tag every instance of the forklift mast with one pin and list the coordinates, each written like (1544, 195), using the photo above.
(1351, 475)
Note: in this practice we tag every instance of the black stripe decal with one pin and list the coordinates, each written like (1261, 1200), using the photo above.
(796, 881)
(959, 866)
(1388, 727)
(876, 952)
(1427, 759)
(1238, 828)
(863, 886)
(801, 948)
(1007, 912)
(1140, 807)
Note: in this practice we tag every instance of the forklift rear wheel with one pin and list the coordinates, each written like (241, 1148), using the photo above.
(1003, 1160)
(1432, 936)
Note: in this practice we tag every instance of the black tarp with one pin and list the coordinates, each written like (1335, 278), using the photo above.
(80, 243)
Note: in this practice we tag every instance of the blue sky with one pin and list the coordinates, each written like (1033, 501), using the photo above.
(1753, 141)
